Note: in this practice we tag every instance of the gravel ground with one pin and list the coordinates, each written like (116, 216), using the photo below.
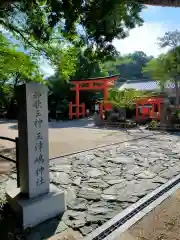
(64, 138)
(68, 137)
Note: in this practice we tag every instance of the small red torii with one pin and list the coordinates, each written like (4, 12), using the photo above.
(150, 108)
(101, 83)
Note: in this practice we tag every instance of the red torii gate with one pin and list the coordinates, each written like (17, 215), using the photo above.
(150, 108)
(102, 83)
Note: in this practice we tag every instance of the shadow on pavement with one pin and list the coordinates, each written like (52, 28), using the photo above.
(6, 121)
(14, 127)
(11, 230)
(81, 123)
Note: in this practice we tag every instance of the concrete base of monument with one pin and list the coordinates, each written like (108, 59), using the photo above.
(31, 212)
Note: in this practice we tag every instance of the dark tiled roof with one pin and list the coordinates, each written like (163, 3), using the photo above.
(144, 85)
(140, 85)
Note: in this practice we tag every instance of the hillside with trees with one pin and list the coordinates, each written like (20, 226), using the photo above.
(128, 66)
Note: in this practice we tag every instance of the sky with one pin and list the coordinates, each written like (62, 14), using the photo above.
(157, 21)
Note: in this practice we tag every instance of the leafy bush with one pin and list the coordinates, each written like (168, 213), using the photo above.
(2, 198)
(153, 124)
(125, 98)
(178, 114)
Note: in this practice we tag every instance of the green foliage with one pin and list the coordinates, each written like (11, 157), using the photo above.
(6, 92)
(62, 109)
(85, 66)
(3, 200)
(16, 67)
(60, 89)
(113, 66)
(170, 39)
(125, 98)
(156, 69)
(101, 21)
(63, 60)
(15, 63)
(178, 113)
(166, 68)
(172, 58)
(128, 66)
(153, 124)
(172, 62)
(88, 66)
(139, 60)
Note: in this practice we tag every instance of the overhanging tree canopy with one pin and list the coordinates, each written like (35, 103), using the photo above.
(97, 22)
(13, 62)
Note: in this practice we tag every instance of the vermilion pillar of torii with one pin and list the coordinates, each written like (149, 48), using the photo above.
(95, 84)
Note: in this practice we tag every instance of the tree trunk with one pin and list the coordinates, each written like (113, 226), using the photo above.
(162, 87)
(176, 92)
(12, 108)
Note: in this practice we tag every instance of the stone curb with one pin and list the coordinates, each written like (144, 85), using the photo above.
(138, 216)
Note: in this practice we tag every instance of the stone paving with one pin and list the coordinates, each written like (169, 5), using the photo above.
(64, 137)
(68, 136)
(101, 183)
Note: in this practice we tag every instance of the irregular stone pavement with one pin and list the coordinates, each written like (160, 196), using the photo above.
(101, 183)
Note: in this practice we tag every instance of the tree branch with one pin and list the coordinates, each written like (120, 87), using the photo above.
(13, 28)
(5, 3)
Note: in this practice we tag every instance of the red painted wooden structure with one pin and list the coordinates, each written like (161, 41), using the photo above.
(81, 110)
(102, 83)
(149, 108)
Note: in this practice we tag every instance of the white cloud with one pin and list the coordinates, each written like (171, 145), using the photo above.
(144, 39)
(46, 68)
(140, 39)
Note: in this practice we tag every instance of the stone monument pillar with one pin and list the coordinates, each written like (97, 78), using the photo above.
(163, 111)
(36, 200)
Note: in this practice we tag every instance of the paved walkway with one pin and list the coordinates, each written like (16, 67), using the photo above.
(101, 183)
(64, 138)
(68, 137)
